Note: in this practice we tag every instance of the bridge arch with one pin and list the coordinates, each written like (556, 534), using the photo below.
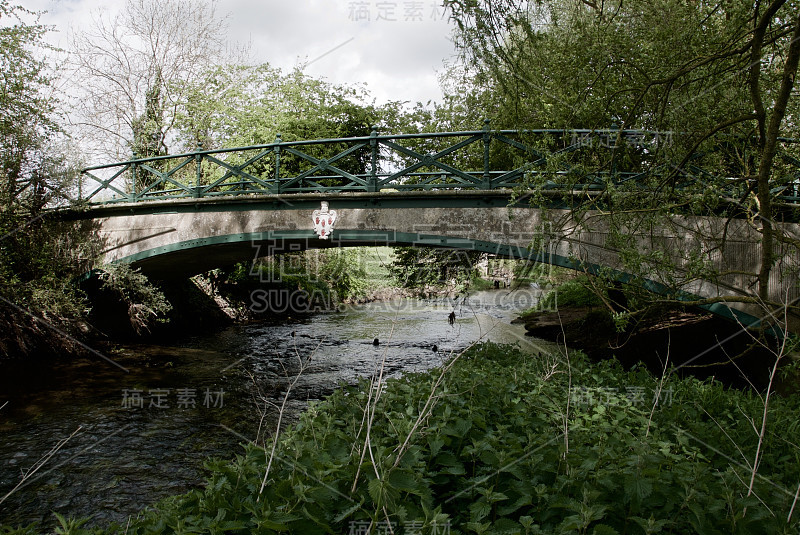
(227, 249)
(167, 239)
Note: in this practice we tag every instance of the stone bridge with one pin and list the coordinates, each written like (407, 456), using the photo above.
(182, 237)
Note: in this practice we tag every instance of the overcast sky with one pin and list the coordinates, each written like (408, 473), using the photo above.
(396, 47)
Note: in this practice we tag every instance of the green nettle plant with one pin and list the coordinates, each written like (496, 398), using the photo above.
(500, 441)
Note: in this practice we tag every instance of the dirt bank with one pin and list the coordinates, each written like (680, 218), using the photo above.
(699, 344)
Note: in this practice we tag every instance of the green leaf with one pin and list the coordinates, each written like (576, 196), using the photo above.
(435, 445)
(506, 526)
(375, 487)
(347, 512)
(638, 488)
(478, 510)
(403, 480)
(602, 529)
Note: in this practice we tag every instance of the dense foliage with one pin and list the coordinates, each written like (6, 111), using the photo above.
(42, 310)
(492, 455)
(500, 441)
(303, 281)
(38, 257)
(238, 106)
(418, 267)
(584, 64)
(241, 106)
(712, 83)
(575, 293)
(146, 304)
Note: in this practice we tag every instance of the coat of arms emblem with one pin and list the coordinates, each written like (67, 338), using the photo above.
(324, 220)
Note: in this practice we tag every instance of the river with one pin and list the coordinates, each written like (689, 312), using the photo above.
(142, 433)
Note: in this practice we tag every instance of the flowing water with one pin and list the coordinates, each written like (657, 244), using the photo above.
(143, 434)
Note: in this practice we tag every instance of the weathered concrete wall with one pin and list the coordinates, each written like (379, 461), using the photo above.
(178, 238)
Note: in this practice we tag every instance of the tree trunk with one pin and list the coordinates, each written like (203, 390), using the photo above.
(765, 166)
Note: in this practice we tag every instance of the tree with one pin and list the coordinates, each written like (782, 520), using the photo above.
(239, 106)
(27, 111)
(37, 257)
(719, 76)
(149, 129)
(132, 72)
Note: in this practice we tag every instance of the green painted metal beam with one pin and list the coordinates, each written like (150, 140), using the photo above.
(307, 239)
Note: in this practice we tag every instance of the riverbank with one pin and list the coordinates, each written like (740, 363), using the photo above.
(689, 341)
(126, 456)
(501, 441)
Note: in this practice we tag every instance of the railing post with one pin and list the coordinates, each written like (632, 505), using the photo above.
(198, 160)
(277, 150)
(487, 139)
(372, 185)
(133, 180)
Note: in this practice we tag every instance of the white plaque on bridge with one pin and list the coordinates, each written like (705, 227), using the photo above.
(324, 220)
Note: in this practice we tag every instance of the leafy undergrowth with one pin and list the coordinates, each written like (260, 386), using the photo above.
(573, 293)
(488, 453)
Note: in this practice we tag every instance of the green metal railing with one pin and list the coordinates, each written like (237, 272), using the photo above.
(471, 160)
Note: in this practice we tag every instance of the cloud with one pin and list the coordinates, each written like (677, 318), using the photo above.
(397, 59)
